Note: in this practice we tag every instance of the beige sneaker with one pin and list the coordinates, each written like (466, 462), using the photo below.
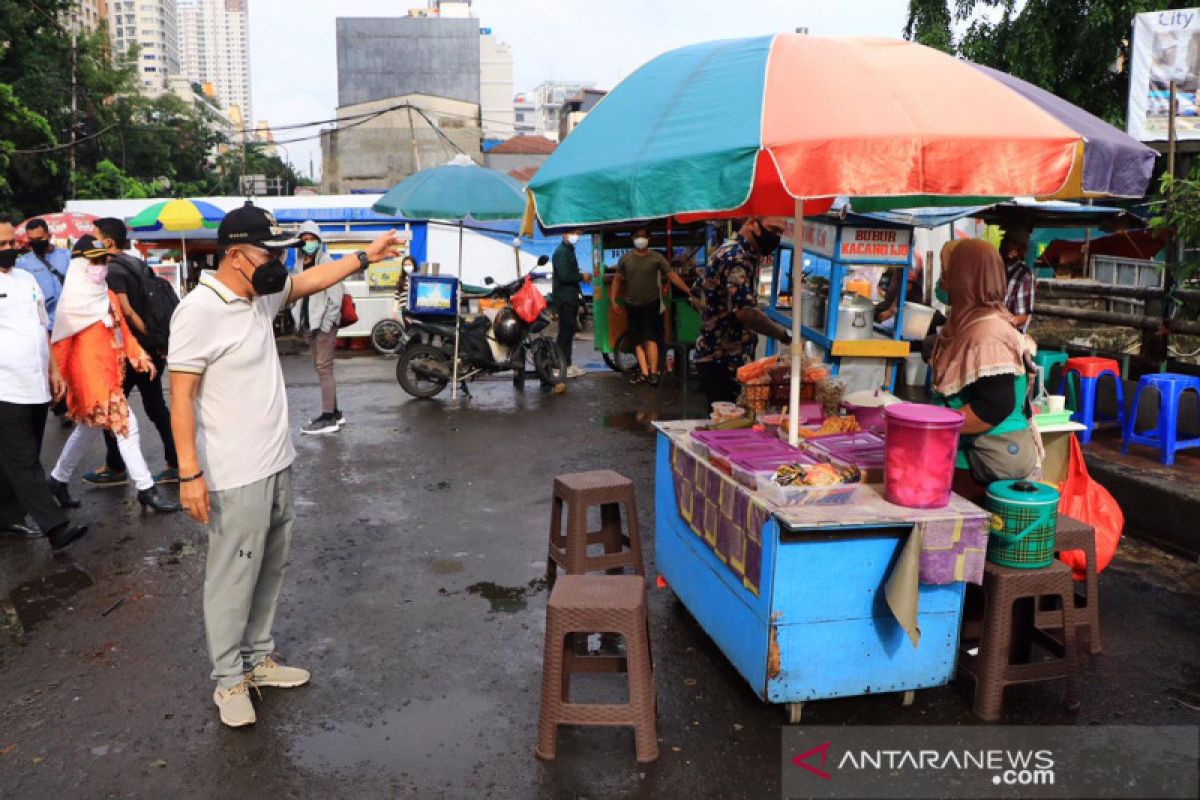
(270, 673)
(234, 703)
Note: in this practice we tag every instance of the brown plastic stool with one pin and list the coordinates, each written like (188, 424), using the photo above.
(580, 491)
(1072, 534)
(597, 604)
(991, 666)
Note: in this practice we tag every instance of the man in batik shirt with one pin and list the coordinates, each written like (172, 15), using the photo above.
(729, 314)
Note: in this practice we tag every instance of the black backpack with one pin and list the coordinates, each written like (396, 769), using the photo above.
(158, 302)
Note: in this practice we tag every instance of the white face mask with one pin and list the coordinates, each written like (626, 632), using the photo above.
(408, 269)
(573, 238)
(641, 243)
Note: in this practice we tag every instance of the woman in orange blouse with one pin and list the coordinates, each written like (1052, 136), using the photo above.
(93, 347)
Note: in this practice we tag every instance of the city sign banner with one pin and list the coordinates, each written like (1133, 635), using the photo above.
(1166, 50)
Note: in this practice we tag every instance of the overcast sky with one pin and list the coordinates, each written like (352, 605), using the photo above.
(294, 59)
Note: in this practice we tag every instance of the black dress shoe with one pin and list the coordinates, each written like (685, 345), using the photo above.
(20, 529)
(152, 498)
(64, 534)
(62, 493)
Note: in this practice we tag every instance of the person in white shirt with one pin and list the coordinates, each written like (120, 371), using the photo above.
(29, 379)
(229, 414)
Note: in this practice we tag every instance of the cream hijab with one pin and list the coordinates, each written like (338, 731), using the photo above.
(83, 302)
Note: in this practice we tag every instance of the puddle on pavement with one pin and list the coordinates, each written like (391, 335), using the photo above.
(636, 421)
(507, 599)
(447, 737)
(36, 601)
(445, 566)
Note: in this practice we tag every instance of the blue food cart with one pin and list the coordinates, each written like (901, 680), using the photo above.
(807, 601)
(836, 245)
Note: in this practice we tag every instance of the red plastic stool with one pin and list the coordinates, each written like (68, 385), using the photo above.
(1089, 370)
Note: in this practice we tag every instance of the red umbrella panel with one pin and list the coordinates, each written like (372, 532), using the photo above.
(65, 227)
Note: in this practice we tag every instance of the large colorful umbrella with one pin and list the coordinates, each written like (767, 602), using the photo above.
(459, 190)
(781, 125)
(65, 227)
(180, 216)
(183, 216)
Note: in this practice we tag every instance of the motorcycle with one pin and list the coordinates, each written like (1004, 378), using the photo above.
(486, 347)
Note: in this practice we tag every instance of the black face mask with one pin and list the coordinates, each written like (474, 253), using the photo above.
(40, 246)
(766, 241)
(270, 278)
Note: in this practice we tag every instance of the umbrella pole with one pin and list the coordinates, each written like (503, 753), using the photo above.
(797, 340)
(457, 315)
(181, 270)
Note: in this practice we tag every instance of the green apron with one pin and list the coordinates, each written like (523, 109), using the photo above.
(1013, 422)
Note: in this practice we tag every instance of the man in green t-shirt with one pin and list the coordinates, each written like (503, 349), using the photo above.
(639, 279)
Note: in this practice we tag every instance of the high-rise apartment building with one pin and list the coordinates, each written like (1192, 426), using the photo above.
(87, 16)
(147, 27)
(214, 48)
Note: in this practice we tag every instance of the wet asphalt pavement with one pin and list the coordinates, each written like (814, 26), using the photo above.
(415, 596)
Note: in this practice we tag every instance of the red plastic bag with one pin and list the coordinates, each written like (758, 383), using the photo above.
(349, 312)
(528, 302)
(1089, 502)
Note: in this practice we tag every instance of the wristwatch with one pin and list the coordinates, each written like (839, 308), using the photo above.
(363, 261)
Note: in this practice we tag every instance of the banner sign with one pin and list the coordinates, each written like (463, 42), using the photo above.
(819, 238)
(875, 245)
(1166, 49)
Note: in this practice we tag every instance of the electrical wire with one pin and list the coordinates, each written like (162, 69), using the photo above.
(67, 146)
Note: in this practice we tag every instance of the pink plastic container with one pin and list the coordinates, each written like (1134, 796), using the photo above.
(921, 445)
(724, 461)
(870, 418)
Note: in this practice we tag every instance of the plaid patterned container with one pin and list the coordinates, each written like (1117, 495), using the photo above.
(1023, 521)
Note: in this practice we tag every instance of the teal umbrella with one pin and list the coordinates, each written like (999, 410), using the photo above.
(459, 190)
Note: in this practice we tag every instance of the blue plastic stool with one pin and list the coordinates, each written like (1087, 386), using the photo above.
(1089, 370)
(1170, 388)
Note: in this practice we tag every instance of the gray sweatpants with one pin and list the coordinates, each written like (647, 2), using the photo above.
(249, 536)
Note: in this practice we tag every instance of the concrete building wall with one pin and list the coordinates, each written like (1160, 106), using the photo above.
(496, 87)
(380, 57)
(379, 154)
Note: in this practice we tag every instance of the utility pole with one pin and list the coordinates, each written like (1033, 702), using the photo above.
(74, 103)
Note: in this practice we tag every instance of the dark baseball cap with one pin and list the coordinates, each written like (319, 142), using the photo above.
(253, 225)
(88, 247)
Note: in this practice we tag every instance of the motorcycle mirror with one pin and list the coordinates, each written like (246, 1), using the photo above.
(488, 281)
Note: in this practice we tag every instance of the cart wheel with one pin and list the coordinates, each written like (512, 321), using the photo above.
(794, 710)
(908, 698)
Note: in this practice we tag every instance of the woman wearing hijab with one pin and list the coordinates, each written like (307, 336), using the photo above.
(980, 367)
(93, 347)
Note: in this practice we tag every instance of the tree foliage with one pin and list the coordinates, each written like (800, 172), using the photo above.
(1077, 49)
(929, 24)
(128, 145)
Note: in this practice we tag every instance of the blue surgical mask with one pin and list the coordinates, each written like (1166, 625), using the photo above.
(942, 295)
(311, 248)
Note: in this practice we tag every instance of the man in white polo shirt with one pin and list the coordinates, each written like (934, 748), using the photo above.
(27, 376)
(229, 414)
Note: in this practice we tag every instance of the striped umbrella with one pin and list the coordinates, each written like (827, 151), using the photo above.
(747, 126)
(180, 216)
(183, 216)
(782, 125)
